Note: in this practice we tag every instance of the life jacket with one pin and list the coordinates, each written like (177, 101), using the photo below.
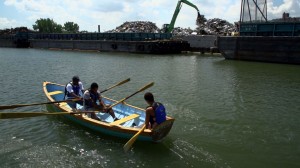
(76, 89)
(94, 97)
(160, 112)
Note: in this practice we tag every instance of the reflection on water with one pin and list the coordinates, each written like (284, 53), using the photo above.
(228, 113)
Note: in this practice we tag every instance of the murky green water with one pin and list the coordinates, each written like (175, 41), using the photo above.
(228, 113)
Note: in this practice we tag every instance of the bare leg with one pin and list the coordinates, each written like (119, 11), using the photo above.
(94, 116)
(112, 113)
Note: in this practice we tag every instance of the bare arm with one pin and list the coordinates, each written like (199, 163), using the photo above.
(74, 95)
(102, 103)
(149, 112)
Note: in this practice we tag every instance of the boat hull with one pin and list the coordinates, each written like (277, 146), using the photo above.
(105, 127)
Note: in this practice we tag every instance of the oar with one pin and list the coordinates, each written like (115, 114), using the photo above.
(34, 104)
(36, 114)
(118, 84)
(140, 90)
(128, 145)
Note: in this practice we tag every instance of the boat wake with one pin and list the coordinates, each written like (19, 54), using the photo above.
(193, 156)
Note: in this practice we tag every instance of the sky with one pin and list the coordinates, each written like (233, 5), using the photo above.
(109, 14)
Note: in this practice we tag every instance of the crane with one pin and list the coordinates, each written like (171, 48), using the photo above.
(169, 27)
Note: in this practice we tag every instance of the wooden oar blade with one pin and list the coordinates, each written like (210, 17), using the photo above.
(128, 145)
(146, 87)
(125, 81)
(118, 84)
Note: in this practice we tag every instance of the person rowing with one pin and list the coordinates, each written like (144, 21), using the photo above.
(155, 112)
(73, 90)
(90, 97)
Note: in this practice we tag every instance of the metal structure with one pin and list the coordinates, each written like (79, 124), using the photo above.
(169, 27)
(254, 22)
(253, 11)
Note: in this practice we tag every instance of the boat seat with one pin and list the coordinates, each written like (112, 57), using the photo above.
(54, 93)
(125, 119)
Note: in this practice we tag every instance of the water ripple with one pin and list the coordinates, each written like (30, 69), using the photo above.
(228, 113)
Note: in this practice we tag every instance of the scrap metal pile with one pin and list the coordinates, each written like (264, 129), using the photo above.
(215, 27)
(136, 27)
(207, 27)
(183, 31)
(13, 31)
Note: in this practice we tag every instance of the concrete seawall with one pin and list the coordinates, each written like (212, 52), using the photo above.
(7, 43)
(200, 43)
(197, 43)
(148, 47)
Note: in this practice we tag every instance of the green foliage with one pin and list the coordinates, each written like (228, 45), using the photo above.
(71, 27)
(47, 26)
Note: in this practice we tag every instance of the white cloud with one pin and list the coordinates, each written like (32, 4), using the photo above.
(288, 6)
(6, 23)
(110, 14)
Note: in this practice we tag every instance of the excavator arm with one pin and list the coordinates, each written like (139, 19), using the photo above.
(169, 27)
(190, 4)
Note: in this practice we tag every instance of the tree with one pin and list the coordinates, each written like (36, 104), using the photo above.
(47, 26)
(58, 28)
(71, 27)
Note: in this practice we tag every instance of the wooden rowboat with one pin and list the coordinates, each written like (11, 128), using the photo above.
(124, 128)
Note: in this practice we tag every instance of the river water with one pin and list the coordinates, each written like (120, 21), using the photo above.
(228, 113)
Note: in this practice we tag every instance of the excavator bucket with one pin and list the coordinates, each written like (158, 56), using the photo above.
(200, 19)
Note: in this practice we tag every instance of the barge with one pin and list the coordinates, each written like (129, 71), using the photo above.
(260, 39)
(144, 43)
(275, 42)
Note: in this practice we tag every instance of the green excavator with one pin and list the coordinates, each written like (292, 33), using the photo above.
(167, 28)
